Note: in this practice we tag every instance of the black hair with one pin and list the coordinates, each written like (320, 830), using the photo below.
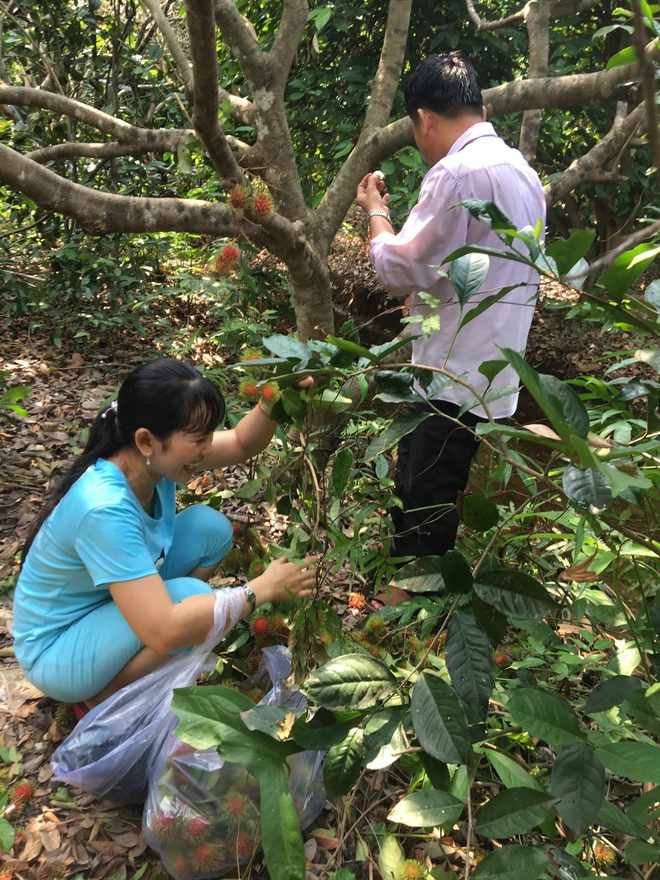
(163, 396)
(444, 84)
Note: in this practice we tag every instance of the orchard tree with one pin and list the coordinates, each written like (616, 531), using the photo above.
(230, 73)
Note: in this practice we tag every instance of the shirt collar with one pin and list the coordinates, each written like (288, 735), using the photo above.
(481, 129)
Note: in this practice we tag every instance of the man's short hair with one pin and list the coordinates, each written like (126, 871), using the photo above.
(444, 84)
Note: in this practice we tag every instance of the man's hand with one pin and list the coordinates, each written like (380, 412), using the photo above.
(370, 196)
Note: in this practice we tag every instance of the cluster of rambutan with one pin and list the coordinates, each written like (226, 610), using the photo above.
(227, 260)
(376, 636)
(20, 795)
(251, 390)
(257, 201)
(192, 843)
(248, 555)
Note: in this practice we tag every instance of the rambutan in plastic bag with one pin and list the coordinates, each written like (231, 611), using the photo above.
(112, 750)
(202, 812)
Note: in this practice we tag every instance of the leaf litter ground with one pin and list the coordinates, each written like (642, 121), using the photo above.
(65, 834)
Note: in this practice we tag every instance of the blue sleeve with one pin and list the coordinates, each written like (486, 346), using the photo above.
(110, 542)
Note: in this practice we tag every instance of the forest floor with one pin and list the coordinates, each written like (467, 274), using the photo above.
(66, 833)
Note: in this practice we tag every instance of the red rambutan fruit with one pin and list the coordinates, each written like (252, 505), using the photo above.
(204, 856)
(237, 528)
(181, 866)
(278, 624)
(356, 601)
(255, 695)
(256, 568)
(239, 197)
(375, 625)
(197, 827)
(162, 823)
(244, 845)
(249, 390)
(235, 805)
(21, 794)
(261, 206)
(270, 393)
(252, 354)
(260, 626)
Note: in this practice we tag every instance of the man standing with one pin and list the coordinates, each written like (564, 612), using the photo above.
(468, 161)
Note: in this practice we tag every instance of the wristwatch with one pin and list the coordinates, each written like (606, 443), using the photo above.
(251, 598)
(378, 213)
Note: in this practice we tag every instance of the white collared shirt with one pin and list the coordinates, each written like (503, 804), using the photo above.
(481, 166)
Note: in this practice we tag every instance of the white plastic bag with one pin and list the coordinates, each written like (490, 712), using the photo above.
(202, 812)
(111, 751)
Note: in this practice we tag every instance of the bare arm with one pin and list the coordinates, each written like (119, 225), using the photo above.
(250, 436)
(164, 625)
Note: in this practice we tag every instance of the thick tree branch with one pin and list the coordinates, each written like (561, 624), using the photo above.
(591, 166)
(388, 74)
(563, 9)
(289, 34)
(173, 44)
(537, 19)
(566, 8)
(648, 83)
(201, 27)
(493, 25)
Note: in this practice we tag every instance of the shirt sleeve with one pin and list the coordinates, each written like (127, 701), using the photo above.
(111, 545)
(411, 261)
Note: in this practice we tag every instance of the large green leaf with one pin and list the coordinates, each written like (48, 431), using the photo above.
(284, 851)
(644, 705)
(399, 428)
(350, 682)
(566, 253)
(341, 471)
(510, 771)
(616, 820)
(545, 716)
(343, 763)
(619, 277)
(611, 692)
(439, 719)
(578, 781)
(423, 575)
(514, 811)
(479, 513)
(514, 593)
(7, 834)
(565, 400)
(632, 760)
(391, 859)
(652, 294)
(512, 863)
(427, 809)
(287, 347)
(456, 572)
(321, 732)
(467, 274)
(469, 658)
(587, 488)
(202, 711)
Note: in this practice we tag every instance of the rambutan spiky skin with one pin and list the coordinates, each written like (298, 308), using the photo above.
(375, 625)
(162, 823)
(249, 390)
(21, 794)
(239, 197)
(252, 354)
(414, 870)
(255, 694)
(243, 845)
(260, 626)
(227, 259)
(278, 624)
(256, 568)
(261, 206)
(356, 601)
(204, 856)
(197, 828)
(270, 393)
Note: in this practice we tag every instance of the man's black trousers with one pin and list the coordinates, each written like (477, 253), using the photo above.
(433, 467)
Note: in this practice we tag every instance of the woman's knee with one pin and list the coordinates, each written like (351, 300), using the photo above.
(183, 587)
(208, 529)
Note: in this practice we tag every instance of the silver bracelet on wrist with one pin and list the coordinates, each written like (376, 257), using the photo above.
(378, 213)
(251, 599)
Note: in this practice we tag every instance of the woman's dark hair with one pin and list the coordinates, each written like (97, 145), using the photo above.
(445, 84)
(163, 396)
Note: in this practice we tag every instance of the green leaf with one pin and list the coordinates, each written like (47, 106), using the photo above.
(514, 593)
(357, 350)
(268, 719)
(511, 863)
(611, 692)
(391, 860)
(545, 716)
(644, 705)
(565, 400)
(646, 809)
(321, 732)
(638, 852)
(567, 252)
(587, 488)
(343, 763)
(479, 513)
(341, 471)
(510, 771)
(349, 683)
(456, 572)
(632, 760)
(399, 428)
(490, 369)
(620, 276)
(6, 835)
(201, 711)
(469, 658)
(439, 719)
(427, 809)
(287, 347)
(467, 274)
(616, 820)
(284, 850)
(578, 781)
(652, 294)
(625, 56)
(393, 381)
(514, 811)
(423, 575)
(481, 307)
(488, 211)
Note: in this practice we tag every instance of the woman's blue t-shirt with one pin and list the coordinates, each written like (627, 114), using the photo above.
(98, 534)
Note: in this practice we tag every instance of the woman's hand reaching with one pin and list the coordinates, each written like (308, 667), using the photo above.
(282, 579)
